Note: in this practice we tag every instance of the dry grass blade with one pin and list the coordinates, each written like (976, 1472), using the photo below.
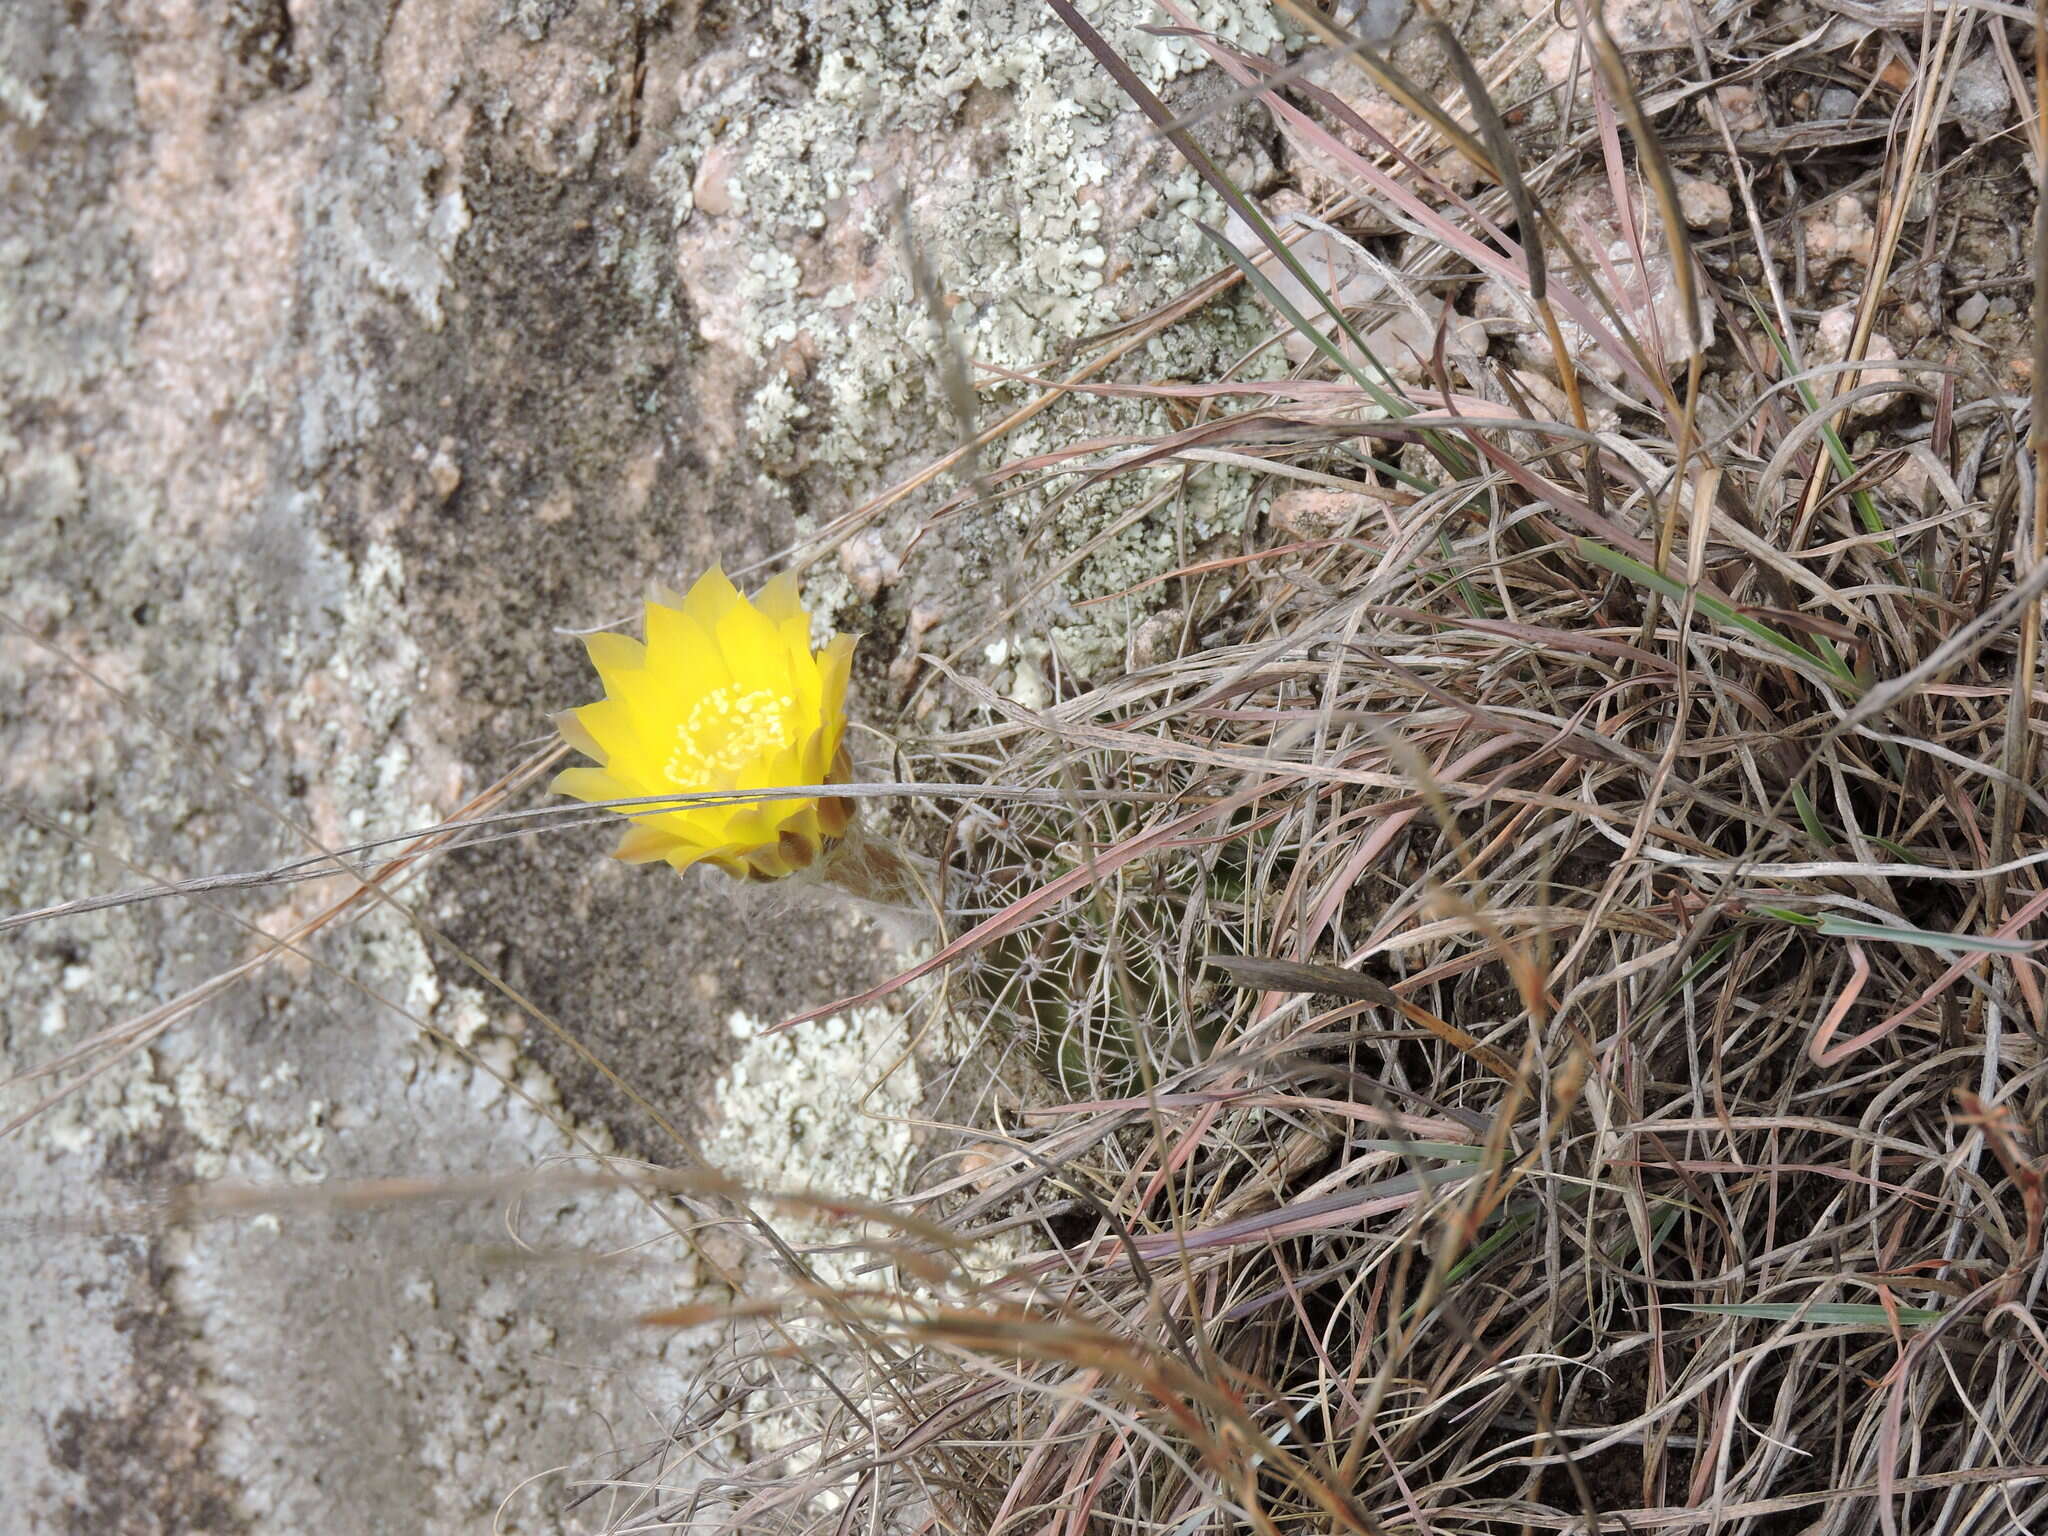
(1296, 976)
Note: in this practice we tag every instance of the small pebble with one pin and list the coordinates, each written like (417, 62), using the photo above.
(443, 473)
(1704, 204)
(711, 191)
(1971, 312)
(1980, 99)
(1743, 108)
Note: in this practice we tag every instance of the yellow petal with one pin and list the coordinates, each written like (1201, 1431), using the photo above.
(680, 650)
(590, 784)
(614, 653)
(643, 843)
(710, 826)
(755, 822)
(776, 770)
(753, 651)
(650, 703)
(780, 602)
(573, 732)
(814, 757)
(633, 752)
(711, 598)
(806, 691)
(664, 624)
(835, 667)
(835, 664)
(609, 723)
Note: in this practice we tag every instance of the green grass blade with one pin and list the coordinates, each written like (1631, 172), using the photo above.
(1809, 818)
(1840, 1314)
(1517, 1220)
(1697, 969)
(1838, 452)
(1721, 611)
(1922, 938)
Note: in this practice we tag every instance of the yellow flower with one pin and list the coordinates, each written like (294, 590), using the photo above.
(724, 695)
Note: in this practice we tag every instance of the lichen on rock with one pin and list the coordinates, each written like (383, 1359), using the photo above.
(818, 1109)
(1046, 209)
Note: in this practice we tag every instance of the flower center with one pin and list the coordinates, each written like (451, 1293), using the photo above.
(726, 730)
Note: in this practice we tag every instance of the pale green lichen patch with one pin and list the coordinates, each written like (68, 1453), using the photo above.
(1046, 209)
(817, 1109)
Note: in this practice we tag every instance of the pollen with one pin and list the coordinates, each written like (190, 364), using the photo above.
(725, 731)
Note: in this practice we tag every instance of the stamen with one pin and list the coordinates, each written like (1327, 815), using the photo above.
(726, 730)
